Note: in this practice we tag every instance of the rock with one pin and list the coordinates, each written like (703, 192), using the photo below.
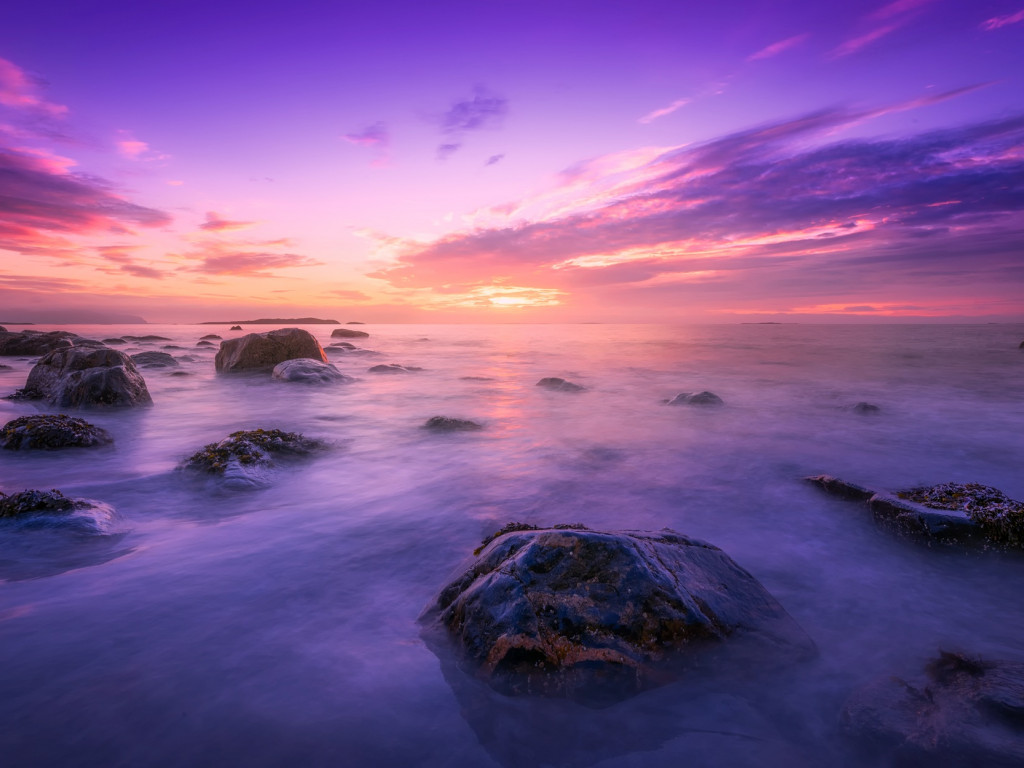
(950, 513)
(80, 378)
(1021, 345)
(960, 712)
(476, 378)
(186, 359)
(114, 341)
(172, 346)
(205, 344)
(235, 328)
(309, 372)
(52, 509)
(262, 351)
(2, 329)
(241, 456)
(863, 407)
(343, 345)
(150, 337)
(155, 360)
(448, 424)
(598, 616)
(355, 322)
(559, 385)
(210, 337)
(35, 342)
(6, 367)
(699, 398)
(50, 432)
(394, 368)
(348, 333)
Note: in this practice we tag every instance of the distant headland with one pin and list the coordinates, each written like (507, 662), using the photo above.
(274, 321)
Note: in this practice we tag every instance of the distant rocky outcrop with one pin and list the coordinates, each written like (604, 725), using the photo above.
(34, 509)
(272, 321)
(394, 368)
(600, 616)
(949, 513)
(83, 377)
(243, 457)
(155, 360)
(959, 712)
(263, 351)
(448, 424)
(35, 342)
(348, 333)
(235, 328)
(308, 371)
(50, 432)
(696, 398)
(559, 385)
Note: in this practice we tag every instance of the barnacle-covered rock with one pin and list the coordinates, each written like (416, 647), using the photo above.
(51, 432)
(34, 509)
(242, 456)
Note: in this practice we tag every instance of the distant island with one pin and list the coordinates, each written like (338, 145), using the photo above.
(274, 321)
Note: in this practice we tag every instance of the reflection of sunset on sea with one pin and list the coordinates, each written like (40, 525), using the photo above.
(785, 161)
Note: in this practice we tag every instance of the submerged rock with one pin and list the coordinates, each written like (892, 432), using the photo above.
(394, 368)
(211, 337)
(263, 351)
(52, 509)
(960, 712)
(81, 378)
(35, 342)
(205, 344)
(155, 360)
(114, 341)
(863, 407)
(150, 337)
(348, 333)
(235, 328)
(51, 432)
(309, 372)
(559, 385)
(696, 398)
(6, 367)
(448, 424)
(949, 513)
(342, 345)
(241, 455)
(600, 616)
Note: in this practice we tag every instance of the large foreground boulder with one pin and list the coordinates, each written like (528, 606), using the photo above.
(960, 712)
(52, 509)
(35, 342)
(82, 377)
(263, 351)
(599, 616)
(50, 432)
(306, 371)
(348, 333)
(948, 513)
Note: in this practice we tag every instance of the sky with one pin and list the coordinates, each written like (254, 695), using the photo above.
(492, 161)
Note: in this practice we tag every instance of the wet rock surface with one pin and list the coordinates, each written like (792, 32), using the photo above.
(959, 712)
(448, 424)
(866, 408)
(348, 333)
(52, 509)
(35, 342)
(83, 378)
(155, 360)
(306, 371)
(211, 337)
(51, 432)
(263, 351)
(600, 616)
(559, 385)
(242, 454)
(696, 398)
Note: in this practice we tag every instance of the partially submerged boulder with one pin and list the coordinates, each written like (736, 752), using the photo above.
(949, 513)
(35, 342)
(600, 616)
(82, 377)
(114, 341)
(865, 408)
(394, 368)
(559, 385)
(155, 360)
(235, 328)
(52, 509)
(448, 424)
(348, 333)
(263, 351)
(960, 712)
(50, 432)
(148, 337)
(696, 398)
(309, 371)
(211, 337)
(242, 455)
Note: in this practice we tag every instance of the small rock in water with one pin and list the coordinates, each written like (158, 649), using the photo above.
(348, 333)
(1000, 518)
(863, 407)
(6, 367)
(114, 341)
(309, 371)
(448, 424)
(155, 360)
(205, 344)
(699, 398)
(394, 368)
(210, 337)
(342, 345)
(150, 337)
(559, 385)
(235, 328)
(50, 432)
(241, 454)
(34, 509)
(960, 712)
(601, 616)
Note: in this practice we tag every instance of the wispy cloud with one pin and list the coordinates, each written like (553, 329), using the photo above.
(770, 51)
(444, 151)
(216, 223)
(997, 22)
(650, 117)
(493, 159)
(375, 136)
(886, 20)
(246, 259)
(483, 109)
(125, 261)
(20, 90)
(854, 44)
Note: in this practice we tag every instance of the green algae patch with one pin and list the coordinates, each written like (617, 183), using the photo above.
(250, 448)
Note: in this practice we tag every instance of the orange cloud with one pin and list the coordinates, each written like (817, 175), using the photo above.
(214, 223)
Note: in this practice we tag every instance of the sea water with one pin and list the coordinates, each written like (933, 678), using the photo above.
(278, 626)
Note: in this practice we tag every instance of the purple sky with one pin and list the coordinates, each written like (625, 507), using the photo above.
(514, 161)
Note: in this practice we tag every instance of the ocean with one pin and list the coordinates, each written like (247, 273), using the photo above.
(277, 626)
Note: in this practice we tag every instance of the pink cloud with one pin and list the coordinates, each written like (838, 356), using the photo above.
(996, 22)
(898, 8)
(254, 259)
(20, 91)
(776, 48)
(650, 117)
(375, 136)
(855, 44)
(214, 223)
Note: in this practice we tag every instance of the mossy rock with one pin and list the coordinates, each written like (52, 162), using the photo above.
(50, 432)
(250, 448)
(1000, 518)
(35, 502)
(448, 424)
